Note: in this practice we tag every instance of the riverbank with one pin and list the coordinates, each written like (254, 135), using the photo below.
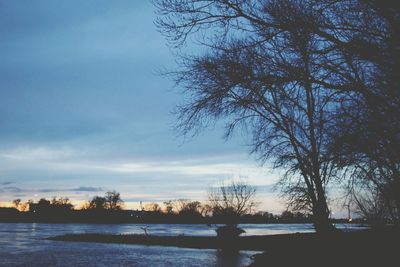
(365, 248)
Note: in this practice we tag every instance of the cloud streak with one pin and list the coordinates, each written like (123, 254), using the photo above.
(87, 189)
(14, 189)
(11, 189)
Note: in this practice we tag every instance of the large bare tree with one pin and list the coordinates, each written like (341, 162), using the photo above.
(262, 72)
(298, 75)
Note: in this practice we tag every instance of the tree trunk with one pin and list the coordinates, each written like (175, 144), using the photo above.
(322, 222)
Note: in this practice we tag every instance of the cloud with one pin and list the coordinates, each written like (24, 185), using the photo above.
(49, 190)
(11, 189)
(14, 189)
(76, 189)
(86, 189)
(7, 183)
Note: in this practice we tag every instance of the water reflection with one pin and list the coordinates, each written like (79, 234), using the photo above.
(228, 258)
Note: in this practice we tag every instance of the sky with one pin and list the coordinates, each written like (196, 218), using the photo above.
(84, 110)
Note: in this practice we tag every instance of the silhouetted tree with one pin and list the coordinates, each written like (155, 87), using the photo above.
(23, 206)
(366, 140)
(184, 206)
(192, 209)
(48, 209)
(29, 203)
(41, 207)
(113, 200)
(61, 203)
(169, 206)
(236, 197)
(44, 202)
(372, 207)
(98, 203)
(299, 75)
(266, 70)
(267, 216)
(232, 201)
(154, 207)
(17, 203)
(297, 217)
(366, 146)
(206, 209)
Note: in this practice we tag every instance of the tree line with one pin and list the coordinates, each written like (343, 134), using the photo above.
(110, 201)
(226, 202)
(229, 204)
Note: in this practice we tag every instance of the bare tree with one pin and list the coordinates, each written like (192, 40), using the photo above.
(192, 209)
(370, 204)
(23, 206)
(267, 71)
(294, 72)
(113, 200)
(184, 206)
(17, 203)
(169, 206)
(154, 207)
(234, 200)
(230, 202)
(61, 203)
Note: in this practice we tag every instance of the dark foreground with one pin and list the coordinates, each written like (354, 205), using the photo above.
(363, 248)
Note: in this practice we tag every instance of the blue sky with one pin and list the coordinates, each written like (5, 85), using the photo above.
(83, 109)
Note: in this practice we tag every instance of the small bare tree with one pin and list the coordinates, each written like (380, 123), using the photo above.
(231, 202)
(113, 200)
(153, 207)
(17, 203)
(235, 199)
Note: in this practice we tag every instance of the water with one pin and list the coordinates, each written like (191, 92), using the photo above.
(22, 244)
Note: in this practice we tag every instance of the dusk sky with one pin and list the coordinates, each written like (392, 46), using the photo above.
(83, 110)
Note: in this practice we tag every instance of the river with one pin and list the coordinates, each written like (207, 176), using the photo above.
(22, 244)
